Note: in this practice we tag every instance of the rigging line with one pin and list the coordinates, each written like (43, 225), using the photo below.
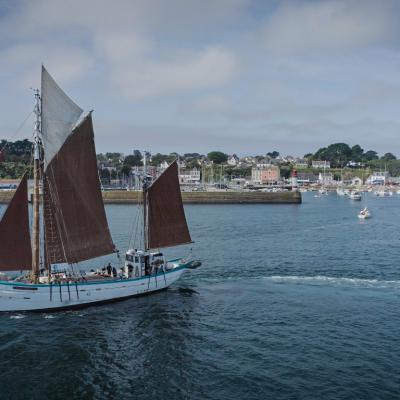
(136, 226)
(57, 223)
(15, 132)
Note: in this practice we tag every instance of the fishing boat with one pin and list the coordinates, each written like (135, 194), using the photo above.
(354, 195)
(364, 213)
(70, 226)
(340, 191)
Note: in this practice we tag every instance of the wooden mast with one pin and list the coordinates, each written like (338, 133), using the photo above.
(145, 236)
(36, 193)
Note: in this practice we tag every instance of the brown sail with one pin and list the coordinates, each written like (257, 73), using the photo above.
(166, 217)
(74, 216)
(15, 242)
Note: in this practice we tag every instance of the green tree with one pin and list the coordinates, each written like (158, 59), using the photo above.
(273, 154)
(371, 155)
(357, 153)
(158, 158)
(135, 159)
(217, 157)
(388, 156)
(337, 153)
(126, 169)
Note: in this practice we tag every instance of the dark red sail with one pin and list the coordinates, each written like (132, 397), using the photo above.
(75, 221)
(166, 217)
(15, 241)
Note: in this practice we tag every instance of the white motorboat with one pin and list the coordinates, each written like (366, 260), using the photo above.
(364, 213)
(383, 193)
(356, 196)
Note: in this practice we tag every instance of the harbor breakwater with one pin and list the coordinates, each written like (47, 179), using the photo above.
(228, 197)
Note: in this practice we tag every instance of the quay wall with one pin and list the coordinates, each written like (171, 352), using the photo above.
(213, 197)
(125, 197)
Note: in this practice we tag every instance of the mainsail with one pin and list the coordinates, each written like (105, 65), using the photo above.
(76, 227)
(166, 223)
(15, 242)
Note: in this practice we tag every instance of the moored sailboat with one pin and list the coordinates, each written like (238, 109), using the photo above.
(70, 224)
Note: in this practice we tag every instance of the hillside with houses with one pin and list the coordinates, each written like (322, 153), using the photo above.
(327, 166)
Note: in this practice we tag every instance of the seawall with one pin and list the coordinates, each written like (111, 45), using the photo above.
(213, 197)
(125, 197)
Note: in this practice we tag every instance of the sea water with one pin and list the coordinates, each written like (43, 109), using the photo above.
(291, 302)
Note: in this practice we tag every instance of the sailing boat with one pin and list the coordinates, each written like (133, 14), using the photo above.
(73, 225)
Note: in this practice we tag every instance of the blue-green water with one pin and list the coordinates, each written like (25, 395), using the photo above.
(292, 302)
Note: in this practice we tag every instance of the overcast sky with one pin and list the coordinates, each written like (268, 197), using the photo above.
(239, 76)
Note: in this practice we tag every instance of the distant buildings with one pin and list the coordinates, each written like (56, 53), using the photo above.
(301, 163)
(306, 178)
(355, 164)
(325, 178)
(263, 174)
(233, 160)
(187, 176)
(378, 178)
(321, 164)
(356, 181)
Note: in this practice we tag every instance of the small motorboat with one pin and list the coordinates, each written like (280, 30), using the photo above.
(364, 214)
(355, 196)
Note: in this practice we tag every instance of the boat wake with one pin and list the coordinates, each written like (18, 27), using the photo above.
(320, 280)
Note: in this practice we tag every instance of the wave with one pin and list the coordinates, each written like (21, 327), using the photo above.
(321, 280)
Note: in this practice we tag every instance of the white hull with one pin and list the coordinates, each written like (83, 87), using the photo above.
(15, 296)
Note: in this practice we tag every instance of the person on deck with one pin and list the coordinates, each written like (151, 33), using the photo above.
(109, 269)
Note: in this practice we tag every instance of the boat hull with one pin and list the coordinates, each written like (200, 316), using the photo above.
(16, 296)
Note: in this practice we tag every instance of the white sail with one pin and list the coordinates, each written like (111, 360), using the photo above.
(59, 116)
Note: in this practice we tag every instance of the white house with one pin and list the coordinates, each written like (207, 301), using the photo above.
(356, 181)
(378, 178)
(233, 160)
(164, 165)
(325, 178)
(321, 164)
(187, 176)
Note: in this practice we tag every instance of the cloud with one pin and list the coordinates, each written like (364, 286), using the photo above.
(246, 74)
(211, 104)
(127, 40)
(297, 27)
(70, 62)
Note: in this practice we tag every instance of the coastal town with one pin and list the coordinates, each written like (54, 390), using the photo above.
(337, 165)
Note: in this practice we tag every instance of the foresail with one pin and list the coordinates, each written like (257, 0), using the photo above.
(15, 242)
(75, 221)
(166, 217)
(59, 116)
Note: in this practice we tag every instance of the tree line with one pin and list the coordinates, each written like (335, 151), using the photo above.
(16, 156)
(340, 154)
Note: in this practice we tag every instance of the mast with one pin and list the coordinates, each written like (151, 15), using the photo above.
(145, 235)
(36, 194)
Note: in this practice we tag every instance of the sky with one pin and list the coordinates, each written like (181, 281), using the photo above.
(239, 76)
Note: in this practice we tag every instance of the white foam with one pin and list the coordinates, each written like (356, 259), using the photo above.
(17, 316)
(321, 280)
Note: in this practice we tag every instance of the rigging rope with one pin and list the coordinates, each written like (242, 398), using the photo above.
(8, 142)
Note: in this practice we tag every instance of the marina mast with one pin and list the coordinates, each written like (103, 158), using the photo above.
(145, 235)
(36, 193)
